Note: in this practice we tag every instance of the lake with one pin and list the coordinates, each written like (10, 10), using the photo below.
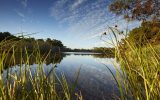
(95, 80)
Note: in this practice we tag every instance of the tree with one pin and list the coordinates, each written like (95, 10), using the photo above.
(7, 36)
(31, 44)
(137, 9)
(57, 43)
(54, 42)
(41, 41)
(148, 32)
(48, 40)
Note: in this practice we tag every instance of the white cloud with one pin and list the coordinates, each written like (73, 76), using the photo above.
(24, 3)
(76, 4)
(57, 10)
(19, 13)
(103, 44)
(61, 10)
(84, 18)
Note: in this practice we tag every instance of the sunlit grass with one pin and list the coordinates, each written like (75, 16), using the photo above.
(24, 84)
(140, 67)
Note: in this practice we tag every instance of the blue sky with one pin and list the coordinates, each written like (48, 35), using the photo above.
(77, 23)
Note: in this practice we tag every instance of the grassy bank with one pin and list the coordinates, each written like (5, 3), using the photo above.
(140, 69)
(25, 84)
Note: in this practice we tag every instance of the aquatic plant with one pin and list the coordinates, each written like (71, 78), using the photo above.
(140, 66)
(27, 84)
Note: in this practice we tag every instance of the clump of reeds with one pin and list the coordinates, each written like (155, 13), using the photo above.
(140, 66)
(26, 84)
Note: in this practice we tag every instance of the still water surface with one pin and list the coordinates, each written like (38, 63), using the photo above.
(94, 80)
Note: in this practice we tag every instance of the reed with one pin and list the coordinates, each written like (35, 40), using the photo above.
(26, 83)
(140, 66)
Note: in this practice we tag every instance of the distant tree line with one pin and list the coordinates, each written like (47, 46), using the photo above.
(77, 50)
(21, 43)
(29, 44)
(7, 36)
(105, 50)
(147, 33)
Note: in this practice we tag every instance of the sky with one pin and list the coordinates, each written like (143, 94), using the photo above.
(77, 23)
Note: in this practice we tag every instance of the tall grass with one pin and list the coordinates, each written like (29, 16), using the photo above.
(26, 84)
(140, 67)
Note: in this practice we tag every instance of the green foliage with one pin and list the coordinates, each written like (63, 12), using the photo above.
(107, 51)
(7, 36)
(31, 43)
(140, 63)
(148, 32)
(141, 67)
(136, 9)
(26, 84)
(54, 42)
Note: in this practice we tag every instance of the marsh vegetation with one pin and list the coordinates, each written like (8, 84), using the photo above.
(45, 69)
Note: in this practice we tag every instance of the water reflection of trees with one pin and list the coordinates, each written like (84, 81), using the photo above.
(30, 59)
(54, 58)
(103, 56)
(96, 55)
